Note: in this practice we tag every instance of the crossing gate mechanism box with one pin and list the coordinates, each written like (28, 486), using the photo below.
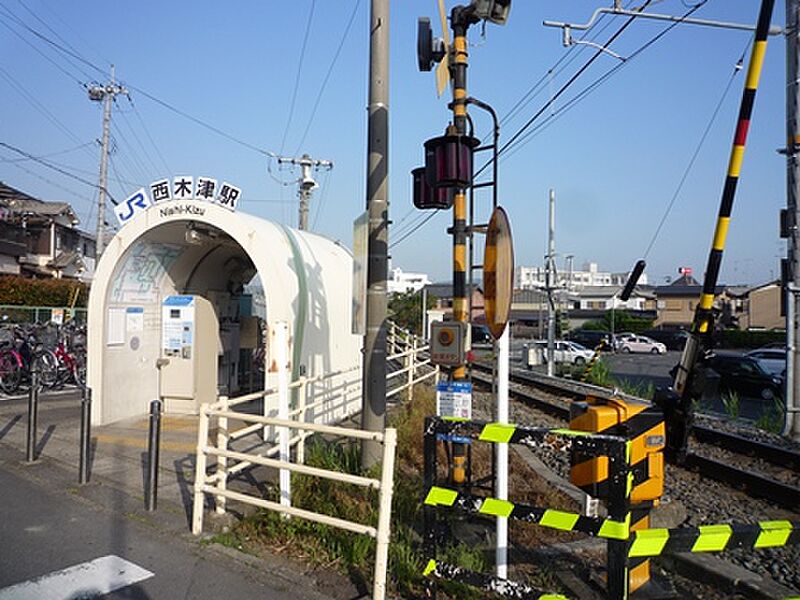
(448, 343)
(190, 342)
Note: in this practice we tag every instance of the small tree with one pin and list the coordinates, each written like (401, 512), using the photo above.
(405, 309)
(622, 320)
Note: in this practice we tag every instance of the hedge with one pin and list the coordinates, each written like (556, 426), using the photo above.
(738, 339)
(21, 291)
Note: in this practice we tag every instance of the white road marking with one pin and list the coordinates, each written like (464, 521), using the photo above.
(90, 579)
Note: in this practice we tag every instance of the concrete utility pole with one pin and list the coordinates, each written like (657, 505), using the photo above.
(104, 94)
(306, 182)
(373, 414)
(792, 427)
(550, 284)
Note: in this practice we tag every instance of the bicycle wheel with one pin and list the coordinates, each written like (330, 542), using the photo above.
(47, 364)
(79, 368)
(10, 372)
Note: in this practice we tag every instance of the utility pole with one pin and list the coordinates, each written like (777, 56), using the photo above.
(306, 182)
(104, 94)
(792, 426)
(373, 414)
(550, 284)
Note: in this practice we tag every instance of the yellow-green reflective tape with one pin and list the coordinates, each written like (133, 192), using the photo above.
(649, 542)
(571, 432)
(628, 451)
(455, 419)
(558, 519)
(629, 485)
(712, 538)
(773, 533)
(552, 597)
(498, 508)
(616, 530)
(441, 496)
(429, 568)
(497, 432)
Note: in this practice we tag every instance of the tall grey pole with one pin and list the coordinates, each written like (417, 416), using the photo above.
(101, 197)
(306, 183)
(106, 94)
(792, 427)
(549, 275)
(373, 414)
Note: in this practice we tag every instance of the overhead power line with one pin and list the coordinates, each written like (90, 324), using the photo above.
(297, 77)
(55, 168)
(327, 77)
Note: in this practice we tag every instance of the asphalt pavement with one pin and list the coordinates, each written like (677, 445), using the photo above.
(63, 540)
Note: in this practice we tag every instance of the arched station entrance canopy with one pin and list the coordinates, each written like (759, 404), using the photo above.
(202, 253)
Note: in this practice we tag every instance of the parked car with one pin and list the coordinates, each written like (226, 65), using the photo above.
(744, 375)
(640, 343)
(772, 360)
(590, 338)
(564, 351)
(481, 336)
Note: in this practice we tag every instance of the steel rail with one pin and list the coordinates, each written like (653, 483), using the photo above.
(776, 455)
(753, 484)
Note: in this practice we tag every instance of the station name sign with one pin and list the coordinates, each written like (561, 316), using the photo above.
(181, 188)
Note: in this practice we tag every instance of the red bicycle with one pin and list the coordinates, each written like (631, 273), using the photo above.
(71, 359)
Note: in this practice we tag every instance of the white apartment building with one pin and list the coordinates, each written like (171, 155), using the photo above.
(528, 278)
(400, 282)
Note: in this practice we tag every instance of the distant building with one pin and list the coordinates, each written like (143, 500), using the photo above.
(443, 293)
(41, 239)
(401, 282)
(529, 278)
(762, 308)
(676, 302)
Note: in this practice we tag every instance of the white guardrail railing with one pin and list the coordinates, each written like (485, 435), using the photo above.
(292, 428)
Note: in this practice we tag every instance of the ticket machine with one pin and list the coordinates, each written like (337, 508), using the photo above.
(190, 343)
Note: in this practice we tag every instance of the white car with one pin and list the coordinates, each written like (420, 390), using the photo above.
(563, 352)
(640, 343)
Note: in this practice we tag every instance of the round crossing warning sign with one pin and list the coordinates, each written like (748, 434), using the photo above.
(498, 272)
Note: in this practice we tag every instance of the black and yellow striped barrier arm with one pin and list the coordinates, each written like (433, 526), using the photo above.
(545, 517)
(714, 538)
(509, 433)
(489, 583)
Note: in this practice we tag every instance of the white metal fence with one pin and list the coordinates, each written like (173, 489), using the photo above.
(413, 353)
(272, 438)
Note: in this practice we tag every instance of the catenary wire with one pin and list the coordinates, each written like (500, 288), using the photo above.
(550, 119)
(691, 162)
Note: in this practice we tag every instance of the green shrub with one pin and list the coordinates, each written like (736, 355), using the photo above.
(22, 291)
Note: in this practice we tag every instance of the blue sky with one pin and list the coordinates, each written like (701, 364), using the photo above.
(615, 158)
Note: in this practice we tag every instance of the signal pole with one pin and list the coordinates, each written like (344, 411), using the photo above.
(550, 283)
(373, 414)
(306, 182)
(105, 94)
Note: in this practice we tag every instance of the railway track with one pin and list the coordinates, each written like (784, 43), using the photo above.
(782, 491)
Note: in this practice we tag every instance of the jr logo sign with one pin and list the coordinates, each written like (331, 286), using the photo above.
(126, 210)
(182, 188)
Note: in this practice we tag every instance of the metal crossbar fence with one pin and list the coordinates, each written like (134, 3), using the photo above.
(624, 542)
(414, 353)
(216, 485)
(13, 313)
(615, 528)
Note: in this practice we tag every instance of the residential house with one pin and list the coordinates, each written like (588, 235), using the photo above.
(443, 309)
(41, 239)
(676, 302)
(762, 308)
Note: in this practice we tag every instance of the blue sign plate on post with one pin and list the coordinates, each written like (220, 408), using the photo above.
(454, 399)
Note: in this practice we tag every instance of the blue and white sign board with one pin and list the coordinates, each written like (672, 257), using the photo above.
(177, 326)
(184, 187)
(454, 399)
